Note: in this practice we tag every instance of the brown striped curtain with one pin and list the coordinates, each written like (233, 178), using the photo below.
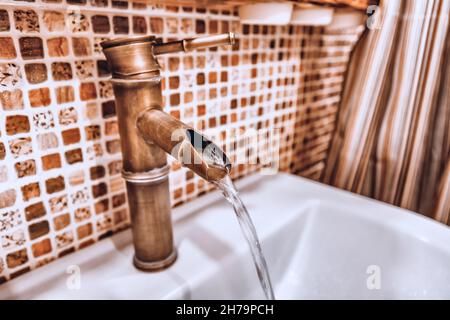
(392, 140)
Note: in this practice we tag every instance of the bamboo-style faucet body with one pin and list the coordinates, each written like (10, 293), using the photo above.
(147, 134)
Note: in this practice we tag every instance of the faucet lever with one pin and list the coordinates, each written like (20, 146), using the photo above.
(191, 44)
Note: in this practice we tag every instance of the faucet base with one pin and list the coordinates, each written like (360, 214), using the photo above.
(156, 265)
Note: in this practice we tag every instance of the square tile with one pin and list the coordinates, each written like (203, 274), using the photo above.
(64, 94)
(26, 20)
(10, 75)
(36, 72)
(4, 21)
(11, 100)
(17, 124)
(61, 71)
(7, 49)
(58, 47)
(31, 48)
(39, 97)
(54, 21)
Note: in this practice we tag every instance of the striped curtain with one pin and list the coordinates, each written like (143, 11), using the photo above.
(392, 140)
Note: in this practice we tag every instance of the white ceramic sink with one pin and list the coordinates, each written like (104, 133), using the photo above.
(319, 242)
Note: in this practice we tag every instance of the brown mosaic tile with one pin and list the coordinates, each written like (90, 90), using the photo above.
(116, 184)
(61, 71)
(119, 200)
(2, 151)
(81, 46)
(119, 4)
(108, 109)
(64, 94)
(97, 172)
(66, 251)
(31, 48)
(4, 21)
(172, 25)
(7, 49)
(99, 3)
(139, 25)
(187, 26)
(61, 222)
(11, 100)
(17, 124)
(71, 136)
(39, 97)
(36, 72)
(47, 141)
(58, 47)
(74, 156)
(17, 258)
(84, 231)
(113, 146)
(41, 248)
(200, 26)
(174, 63)
(35, 211)
(25, 168)
(156, 25)
(111, 128)
(103, 68)
(30, 191)
(20, 147)
(38, 229)
(99, 190)
(139, 5)
(53, 185)
(54, 21)
(121, 25)
(115, 167)
(120, 216)
(51, 161)
(101, 206)
(100, 24)
(89, 242)
(19, 273)
(7, 198)
(26, 20)
(88, 91)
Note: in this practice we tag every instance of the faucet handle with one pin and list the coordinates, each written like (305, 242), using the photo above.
(191, 44)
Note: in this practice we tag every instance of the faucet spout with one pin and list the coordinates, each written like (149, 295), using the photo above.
(192, 149)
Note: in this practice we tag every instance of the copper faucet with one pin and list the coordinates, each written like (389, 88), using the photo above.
(148, 133)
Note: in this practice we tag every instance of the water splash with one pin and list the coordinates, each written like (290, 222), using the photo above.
(248, 229)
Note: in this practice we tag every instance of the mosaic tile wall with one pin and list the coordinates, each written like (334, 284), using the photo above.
(60, 161)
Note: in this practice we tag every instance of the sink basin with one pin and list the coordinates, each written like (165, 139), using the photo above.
(320, 243)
